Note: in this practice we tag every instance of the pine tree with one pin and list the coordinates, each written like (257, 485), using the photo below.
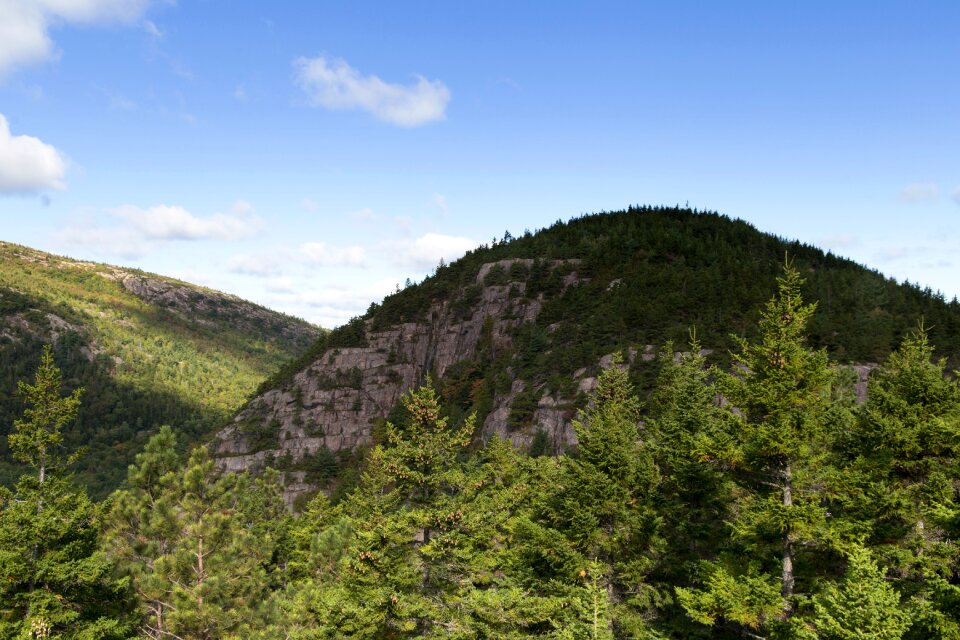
(603, 505)
(862, 606)
(902, 477)
(694, 495)
(197, 559)
(779, 437)
(54, 583)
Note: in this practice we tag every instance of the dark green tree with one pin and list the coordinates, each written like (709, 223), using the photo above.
(603, 504)
(903, 482)
(779, 428)
(695, 494)
(54, 582)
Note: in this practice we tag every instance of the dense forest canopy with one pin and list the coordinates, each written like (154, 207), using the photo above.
(757, 500)
(623, 282)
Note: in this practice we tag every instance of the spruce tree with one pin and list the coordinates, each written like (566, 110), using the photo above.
(902, 478)
(779, 434)
(54, 583)
(862, 606)
(603, 504)
(694, 496)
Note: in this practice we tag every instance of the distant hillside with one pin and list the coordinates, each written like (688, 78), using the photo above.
(517, 332)
(149, 351)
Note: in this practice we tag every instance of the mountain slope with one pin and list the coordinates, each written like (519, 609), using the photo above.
(149, 350)
(517, 331)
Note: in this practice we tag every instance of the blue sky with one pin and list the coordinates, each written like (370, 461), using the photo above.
(311, 156)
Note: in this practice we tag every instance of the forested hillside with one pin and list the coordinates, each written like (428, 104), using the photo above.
(148, 350)
(789, 511)
(516, 332)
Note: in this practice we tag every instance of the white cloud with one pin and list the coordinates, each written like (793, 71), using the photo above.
(920, 192)
(28, 164)
(426, 251)
(242, 208)
(131, 231)
(151, 28)
(281, 284)
(165, 222)
(25, 24)
(334, 84)
(328, 306)
(322, 254)
(262, 264)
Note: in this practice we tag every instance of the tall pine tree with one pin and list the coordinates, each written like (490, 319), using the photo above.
(776, 451)
(54, 582)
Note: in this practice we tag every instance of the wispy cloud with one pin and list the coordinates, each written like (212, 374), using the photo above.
(25, 25)
(324, 255)
(334, 84)
(362, 215)
(920, 192)
(426, 251)
(132, 231)
(331, 306)
(28, 164)
(956, 195)
(257, 264)
(152, 29)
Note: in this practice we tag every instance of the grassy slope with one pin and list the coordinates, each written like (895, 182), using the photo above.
(142, 364)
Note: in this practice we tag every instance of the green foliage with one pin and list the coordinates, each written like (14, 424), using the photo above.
(53, 580)
(750, 498)
(777, 441)
(862, 606)
(901, 475)
(197, 546)
(142, 364)
(39, 430)
(695, 496)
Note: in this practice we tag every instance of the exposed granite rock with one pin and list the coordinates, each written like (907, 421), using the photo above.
(337, 399)
(48, 327)
(863, 372)
(208, 308)
(334, 402)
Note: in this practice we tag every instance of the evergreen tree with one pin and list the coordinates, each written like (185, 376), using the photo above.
(55, 583)
(862, 606)
(603, 504)
(694, 495)
(903, 474)
(779, 437)
(197, 560)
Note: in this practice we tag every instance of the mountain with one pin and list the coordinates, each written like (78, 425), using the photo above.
(148, 350)
(518, 331)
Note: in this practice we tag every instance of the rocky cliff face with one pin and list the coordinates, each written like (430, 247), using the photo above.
(335, 401)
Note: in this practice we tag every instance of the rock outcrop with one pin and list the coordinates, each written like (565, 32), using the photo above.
(205, 307)
(335, 401)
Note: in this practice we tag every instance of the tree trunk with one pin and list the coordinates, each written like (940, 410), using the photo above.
(787, 580)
